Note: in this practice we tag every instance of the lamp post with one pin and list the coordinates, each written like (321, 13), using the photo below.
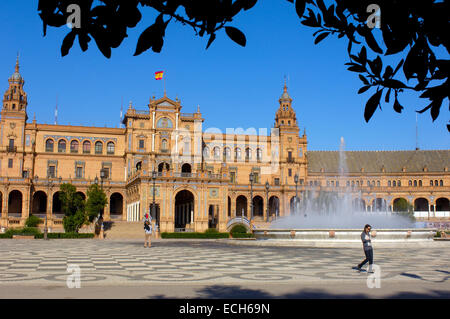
(153, 205)
(296, 192)
(251, 177)
(267, 200)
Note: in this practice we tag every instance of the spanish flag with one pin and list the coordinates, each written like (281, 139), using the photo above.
(159, 75)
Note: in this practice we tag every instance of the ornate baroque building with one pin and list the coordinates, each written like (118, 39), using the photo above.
(197, 178)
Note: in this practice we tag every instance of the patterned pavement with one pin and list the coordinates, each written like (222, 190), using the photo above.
(121, 262)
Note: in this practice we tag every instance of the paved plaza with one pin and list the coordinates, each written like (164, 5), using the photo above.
(218, 269)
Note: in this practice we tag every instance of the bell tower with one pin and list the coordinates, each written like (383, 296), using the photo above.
(15, 98)
(13, 121)
(285, 118)
(292, 145)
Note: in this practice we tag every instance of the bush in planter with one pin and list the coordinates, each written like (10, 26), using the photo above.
(66, 235)
(27, 231)
(238, 229)
(211, 231)
(205, 235)
(33, 221)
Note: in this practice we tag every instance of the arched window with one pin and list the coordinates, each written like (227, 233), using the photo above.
(248, 153)
(98, 147)
(394, 183)
(436, 183)
(110, 148)
(399, 183)
(206, 152)
(259, 154)
(348, 183)
(49, 145)
(227, 152)
(164, 145)
(441, 183)
(216, 152)
(74, 146)
(389, 183)
(61, 146)
(86, 147)
(415, 183)
(237, 153)
(378, 183)
(420, 183)
(431, 182)
(409, 183)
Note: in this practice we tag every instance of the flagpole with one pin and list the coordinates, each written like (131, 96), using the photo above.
(164, 78)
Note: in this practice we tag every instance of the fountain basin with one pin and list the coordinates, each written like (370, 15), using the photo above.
(414, 234)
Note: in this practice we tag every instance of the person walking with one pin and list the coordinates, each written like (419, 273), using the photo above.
(148, 233)
(368, 250)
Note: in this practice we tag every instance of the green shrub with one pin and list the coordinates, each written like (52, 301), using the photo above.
(33, 221)
(66, 235)
(211, 231)
(238, 229)
(27, 231)
(205, 235)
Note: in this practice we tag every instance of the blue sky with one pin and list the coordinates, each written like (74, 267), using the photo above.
(234, 86)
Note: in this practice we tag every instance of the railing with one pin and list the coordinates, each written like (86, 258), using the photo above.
(11, 149)
(187, 114)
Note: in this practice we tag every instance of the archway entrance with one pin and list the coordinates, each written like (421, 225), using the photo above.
(442, 205)
(241, 206)
(258, 206)
(57, 206)
(421, 205)
(274, 207)
(39, 206)
(15, 204)
(184, 210)
(116, 206)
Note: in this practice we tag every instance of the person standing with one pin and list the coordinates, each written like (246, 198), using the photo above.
(368, 250)
(148, 233)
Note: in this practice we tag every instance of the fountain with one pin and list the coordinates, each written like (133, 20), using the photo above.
(335, 215)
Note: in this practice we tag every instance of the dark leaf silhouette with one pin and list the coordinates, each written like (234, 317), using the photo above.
(417, 29)
(236, 35)
(321, 36)
(372, 105)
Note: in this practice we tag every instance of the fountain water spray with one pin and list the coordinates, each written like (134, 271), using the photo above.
(342, 207)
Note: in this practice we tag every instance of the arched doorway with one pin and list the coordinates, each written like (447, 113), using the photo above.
(229, 207)
(421, 205)
(379, 205)
(39, 205)
(57, 206)
(359, 205)
(163, 166)
(15, 204)
(184, 209)
(274, 207)
(241, 206)
(258, 206)
(213, 216)
(116, 206)
(186, 168)
(442, 205)
(400, 205)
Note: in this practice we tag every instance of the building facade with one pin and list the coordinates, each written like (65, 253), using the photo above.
(197, 178)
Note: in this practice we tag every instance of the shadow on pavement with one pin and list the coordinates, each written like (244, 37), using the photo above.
(237, 292)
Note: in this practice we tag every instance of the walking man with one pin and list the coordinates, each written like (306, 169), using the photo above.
(368, 250)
